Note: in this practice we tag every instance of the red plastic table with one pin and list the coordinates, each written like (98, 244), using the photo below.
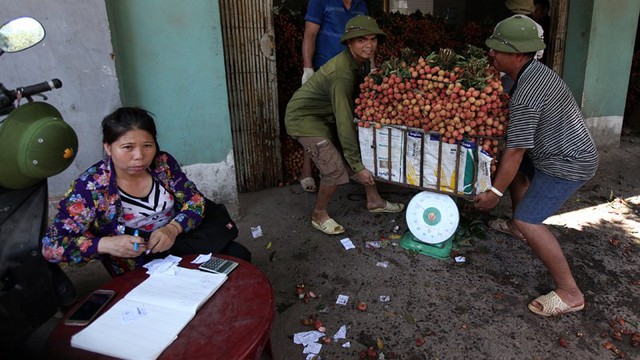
(235, 323)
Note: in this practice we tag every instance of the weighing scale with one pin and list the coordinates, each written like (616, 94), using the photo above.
(432, 219)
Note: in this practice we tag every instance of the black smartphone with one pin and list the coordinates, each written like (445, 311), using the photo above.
(89, 309)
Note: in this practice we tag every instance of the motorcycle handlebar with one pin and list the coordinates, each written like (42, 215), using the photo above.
(7, 97)
(35, 89)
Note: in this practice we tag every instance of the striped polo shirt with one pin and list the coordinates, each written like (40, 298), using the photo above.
(545, 119)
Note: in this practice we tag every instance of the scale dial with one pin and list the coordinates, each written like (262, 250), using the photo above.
(432, 217)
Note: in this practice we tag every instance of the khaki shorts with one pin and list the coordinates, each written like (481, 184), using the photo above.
(327, 158)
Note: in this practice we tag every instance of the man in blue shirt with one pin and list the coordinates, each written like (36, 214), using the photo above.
(324, 25)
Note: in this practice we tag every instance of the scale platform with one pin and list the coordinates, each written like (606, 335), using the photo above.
(432, 219)
(438, 251)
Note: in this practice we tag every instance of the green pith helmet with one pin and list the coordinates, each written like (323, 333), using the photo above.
(361, 25)
(525, 7)
(517, 34)
(35, 143)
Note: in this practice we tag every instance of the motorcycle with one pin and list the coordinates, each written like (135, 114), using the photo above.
(35, 143)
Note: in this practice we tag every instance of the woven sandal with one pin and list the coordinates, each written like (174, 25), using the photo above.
(552, 305)
(308, 184)
(329, 227)
(389, 207)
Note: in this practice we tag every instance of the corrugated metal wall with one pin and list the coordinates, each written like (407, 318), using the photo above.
(248, 35)
(559, 19)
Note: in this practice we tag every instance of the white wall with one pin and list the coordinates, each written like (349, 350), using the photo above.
(77, 50)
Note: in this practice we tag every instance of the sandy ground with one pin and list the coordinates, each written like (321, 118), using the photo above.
(442, 309)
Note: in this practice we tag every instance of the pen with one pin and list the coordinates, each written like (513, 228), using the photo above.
(135, 245)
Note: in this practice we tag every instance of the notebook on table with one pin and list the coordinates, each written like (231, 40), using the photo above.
(150, 317)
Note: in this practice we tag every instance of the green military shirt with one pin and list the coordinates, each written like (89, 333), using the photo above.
(323, 106)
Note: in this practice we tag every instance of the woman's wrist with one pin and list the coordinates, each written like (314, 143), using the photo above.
(175, 226)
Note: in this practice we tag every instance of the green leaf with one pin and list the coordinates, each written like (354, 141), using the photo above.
(409, 318)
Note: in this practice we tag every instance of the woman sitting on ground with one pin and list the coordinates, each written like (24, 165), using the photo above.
(136, 190)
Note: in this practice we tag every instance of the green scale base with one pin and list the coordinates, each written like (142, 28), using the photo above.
(439, 251)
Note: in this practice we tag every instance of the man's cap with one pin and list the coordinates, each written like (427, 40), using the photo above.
(361, 25)
(525, 7)
(516, 34)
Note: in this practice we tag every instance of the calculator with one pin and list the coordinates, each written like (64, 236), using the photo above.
(218, 265)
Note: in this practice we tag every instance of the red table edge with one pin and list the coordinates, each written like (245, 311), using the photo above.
(61, 330)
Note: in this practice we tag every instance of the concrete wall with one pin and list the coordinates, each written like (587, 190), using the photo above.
(77, 50)
(170, 60)
(600, 42)
(577, 45)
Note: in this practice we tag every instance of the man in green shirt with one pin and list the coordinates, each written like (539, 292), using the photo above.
(320, 116)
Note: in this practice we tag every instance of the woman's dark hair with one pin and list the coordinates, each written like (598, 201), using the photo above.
(124, 119)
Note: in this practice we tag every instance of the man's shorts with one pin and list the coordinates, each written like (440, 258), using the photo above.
(327, 158)
(544, 196)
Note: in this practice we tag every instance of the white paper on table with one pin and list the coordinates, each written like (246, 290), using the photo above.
(166, 265)
(346, 345)
(202, 258)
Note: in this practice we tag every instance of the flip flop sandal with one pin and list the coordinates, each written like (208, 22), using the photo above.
(308, 184)
(552, 305)
(389, 207)
(502, 226)
(329, 227)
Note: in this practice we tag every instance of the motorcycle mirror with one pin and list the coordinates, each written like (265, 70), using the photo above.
(20, 34)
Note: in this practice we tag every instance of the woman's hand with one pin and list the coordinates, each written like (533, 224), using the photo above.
(162, 239)
(123, 246)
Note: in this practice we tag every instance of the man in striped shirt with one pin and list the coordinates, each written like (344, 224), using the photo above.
(549, 155)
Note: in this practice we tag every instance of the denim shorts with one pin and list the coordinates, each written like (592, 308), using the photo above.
(544, 196)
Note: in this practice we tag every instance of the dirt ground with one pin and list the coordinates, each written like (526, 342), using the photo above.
(441, 309)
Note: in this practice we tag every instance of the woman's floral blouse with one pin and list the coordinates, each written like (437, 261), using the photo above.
(91, 209)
